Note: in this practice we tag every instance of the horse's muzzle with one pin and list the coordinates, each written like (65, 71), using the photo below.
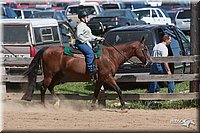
(148, 62)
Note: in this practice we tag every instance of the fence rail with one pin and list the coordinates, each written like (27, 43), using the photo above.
(127, 77)
(26, 61)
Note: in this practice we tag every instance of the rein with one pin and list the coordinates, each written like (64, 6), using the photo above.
(125, 58)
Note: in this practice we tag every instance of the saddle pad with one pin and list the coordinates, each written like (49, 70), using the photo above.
(68, 51)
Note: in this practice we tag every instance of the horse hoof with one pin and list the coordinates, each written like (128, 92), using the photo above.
(57, 104)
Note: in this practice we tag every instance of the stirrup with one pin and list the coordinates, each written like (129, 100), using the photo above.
(94, 76)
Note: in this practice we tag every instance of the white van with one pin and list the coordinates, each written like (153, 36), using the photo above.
(153, 16)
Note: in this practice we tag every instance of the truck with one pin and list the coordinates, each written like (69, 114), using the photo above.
(93, 9)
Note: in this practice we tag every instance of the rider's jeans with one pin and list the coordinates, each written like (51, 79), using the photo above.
(89, 55)
(158, 68)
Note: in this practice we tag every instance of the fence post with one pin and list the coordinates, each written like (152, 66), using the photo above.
(195, 39)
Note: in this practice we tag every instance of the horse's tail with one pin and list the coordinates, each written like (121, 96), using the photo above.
(32, 74)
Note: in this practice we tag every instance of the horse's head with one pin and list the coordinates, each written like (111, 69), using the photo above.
(142, 53)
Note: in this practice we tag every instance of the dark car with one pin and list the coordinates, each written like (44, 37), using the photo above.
(180, 45)
(7, 12)
(116, 18)
(56, 14)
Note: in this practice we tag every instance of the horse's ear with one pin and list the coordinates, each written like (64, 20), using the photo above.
(143, 40)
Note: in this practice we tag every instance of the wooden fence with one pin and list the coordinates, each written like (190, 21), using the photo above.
(128, 77)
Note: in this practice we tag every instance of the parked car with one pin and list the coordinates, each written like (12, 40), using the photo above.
(24, 37)
(7, 12)
(135, 4)
(172, 14)
(24, 13)
(117, 17)
(153, 15)
(173, 5)
(179, 46)
(112, 5)
(93, 9)
(182, 19)
(56, 14)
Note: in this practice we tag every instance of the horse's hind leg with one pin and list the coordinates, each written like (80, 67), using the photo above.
(51, 89)
(56, 80)
(46, 83)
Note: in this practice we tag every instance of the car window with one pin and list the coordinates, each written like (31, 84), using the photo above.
(128, 36)
(18, 12)
(159, 13)
(154, 13)
(110, 6)
(64, 33)
(143, 13)
(75, 10)
(63, 16)
(27, 14)
(134, 15)
(186, 14)
(46, 35)
(11, 34)
(58, 16)
(10, 13)
(129, 15)
(113, 13)
(44, 15)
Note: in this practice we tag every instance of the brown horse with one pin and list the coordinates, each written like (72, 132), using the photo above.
(58, 67)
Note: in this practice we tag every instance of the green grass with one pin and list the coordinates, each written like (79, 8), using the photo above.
(86, 88)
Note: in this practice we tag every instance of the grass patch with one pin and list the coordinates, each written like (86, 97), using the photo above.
(168, 104)
(86, 88)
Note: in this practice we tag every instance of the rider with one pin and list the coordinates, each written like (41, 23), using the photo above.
(84, 36)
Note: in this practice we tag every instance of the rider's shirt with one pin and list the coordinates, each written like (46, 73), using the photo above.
(84, 33)
(160, 50)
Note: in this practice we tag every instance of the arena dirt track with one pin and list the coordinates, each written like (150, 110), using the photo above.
(32, 116)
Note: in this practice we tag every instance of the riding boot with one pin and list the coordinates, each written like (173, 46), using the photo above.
(93, 72)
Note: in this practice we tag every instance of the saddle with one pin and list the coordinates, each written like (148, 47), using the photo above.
(96, 47)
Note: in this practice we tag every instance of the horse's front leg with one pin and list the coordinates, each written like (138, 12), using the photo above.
(96, 93)
(111, 82)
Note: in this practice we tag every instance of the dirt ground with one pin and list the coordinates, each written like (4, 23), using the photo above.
(75, 116)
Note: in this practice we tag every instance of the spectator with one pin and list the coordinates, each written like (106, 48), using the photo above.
(161, 50)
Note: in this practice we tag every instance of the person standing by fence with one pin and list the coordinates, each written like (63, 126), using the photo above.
(161, 50)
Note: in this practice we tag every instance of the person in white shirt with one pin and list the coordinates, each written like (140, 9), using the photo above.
(161, 50)
(84, 36)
